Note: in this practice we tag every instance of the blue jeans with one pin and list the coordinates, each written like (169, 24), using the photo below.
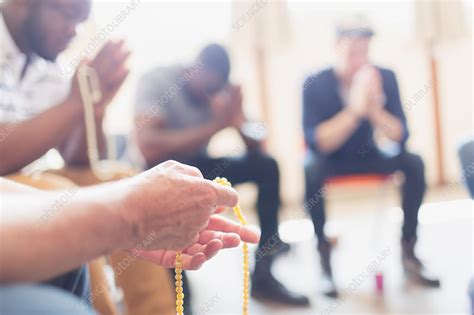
(40, 300)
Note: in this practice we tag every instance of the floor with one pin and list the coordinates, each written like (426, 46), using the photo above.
(445, 244)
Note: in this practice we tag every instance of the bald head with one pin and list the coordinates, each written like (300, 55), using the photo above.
(44, 27)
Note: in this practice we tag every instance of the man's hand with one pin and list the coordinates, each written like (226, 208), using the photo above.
(226, 107)
(110, 65)
(366, 91)
(209, 243)
(171, 206)
(376, 95)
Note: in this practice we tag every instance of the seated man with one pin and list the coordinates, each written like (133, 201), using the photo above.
(178, 110)
(40, 108)
(343, 107)
(136, 214)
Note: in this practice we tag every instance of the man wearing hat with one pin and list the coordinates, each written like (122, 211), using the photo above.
(344, 106)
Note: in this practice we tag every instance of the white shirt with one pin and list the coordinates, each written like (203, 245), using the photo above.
(40, 88)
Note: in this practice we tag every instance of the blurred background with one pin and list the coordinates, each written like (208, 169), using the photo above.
(273, 48)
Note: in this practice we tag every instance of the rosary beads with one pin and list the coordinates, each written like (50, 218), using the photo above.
(179, 284)
(238, 213)
(178, 264)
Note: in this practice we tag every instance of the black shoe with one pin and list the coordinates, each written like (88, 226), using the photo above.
(266, 288)
(326, 283)
(414, 268)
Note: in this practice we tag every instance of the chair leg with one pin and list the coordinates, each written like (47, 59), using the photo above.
(380, 218)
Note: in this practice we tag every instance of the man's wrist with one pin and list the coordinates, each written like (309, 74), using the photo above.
(118, 231)
(355, 115)
(375, 113)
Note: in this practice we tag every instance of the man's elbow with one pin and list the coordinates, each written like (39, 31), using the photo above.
(323, 145)
(314, 141)
(400, 135)
(324, 148)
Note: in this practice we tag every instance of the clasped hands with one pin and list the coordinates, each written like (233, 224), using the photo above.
(110, 64)
(366, 95)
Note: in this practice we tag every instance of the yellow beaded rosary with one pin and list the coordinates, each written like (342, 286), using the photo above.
(179, 284)
(178, 264)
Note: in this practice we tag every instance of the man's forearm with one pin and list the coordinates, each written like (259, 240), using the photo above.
(56, 231)
(74, 150)
(32, 138)
(388, 124)
(333, 133)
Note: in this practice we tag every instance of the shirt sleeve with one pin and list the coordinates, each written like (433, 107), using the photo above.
(152, 96)
(393, 102)
(314, 111)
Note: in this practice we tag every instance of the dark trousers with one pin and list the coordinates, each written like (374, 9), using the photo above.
(256, 168)
(318, 169)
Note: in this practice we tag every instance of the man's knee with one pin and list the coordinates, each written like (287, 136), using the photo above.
(413, 168)
(267, 167)
(413, 163)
